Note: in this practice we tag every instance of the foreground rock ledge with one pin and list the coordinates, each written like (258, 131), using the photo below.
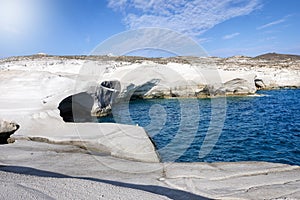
(72, 173)
(118, 140)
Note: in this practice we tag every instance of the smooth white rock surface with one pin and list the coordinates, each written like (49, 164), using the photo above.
(31, 99)
(62, 166)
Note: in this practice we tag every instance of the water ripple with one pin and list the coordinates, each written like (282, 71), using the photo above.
(264, 128)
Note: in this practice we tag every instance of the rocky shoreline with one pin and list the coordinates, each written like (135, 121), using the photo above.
(41, 93)
(98, 82)
(109, 79)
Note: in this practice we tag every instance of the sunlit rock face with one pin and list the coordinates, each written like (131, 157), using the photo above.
(129, 78)
(234, 87)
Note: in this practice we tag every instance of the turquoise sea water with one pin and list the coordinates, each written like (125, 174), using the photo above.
(265, 128)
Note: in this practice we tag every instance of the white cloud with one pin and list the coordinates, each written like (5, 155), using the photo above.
(204, 40)
(153, 39)
(192, 17)
(273, 23)
(230, 36)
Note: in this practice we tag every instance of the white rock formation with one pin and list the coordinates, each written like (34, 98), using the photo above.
(32, 87)
(71, 173)
(31, 98)
(6, 126)
(122, 141)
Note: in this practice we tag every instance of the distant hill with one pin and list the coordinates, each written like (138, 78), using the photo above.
(137, 59)
(275, 56)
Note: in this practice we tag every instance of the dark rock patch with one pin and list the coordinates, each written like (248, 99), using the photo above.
(106, 94)
(6, 130)
(77, 108)
(259, 83)
(276, 56)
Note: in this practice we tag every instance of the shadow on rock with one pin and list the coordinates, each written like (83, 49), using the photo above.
(160, 190)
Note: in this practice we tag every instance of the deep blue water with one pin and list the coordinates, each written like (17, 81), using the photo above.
(265, 128)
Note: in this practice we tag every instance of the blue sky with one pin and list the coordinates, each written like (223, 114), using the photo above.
(223, 27)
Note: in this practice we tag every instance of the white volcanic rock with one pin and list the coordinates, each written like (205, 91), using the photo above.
(19, 186)
(71, 172)
(237, 87)
(6, 126)
(32, 88)
(31, 98)
(150, 79)
(122, 141)
(276, 70)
